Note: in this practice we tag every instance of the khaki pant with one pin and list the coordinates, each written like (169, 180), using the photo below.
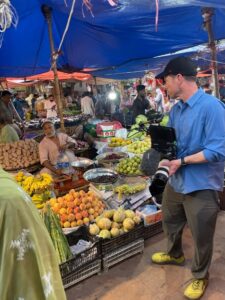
(199, 210)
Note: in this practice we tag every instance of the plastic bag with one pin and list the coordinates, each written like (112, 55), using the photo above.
(121, 133)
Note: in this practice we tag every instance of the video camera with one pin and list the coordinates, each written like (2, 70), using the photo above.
(163, 141)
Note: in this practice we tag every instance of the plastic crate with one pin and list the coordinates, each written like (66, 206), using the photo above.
(122, 253)
(89, 255)
(110, 245)
(84, 272)
(153, 229)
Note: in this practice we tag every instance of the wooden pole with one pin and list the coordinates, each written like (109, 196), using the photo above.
(207, 14)
(47, 12)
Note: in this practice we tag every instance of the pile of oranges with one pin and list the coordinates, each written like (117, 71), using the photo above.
(77, 208)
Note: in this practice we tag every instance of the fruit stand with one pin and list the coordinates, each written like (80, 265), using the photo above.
(105, 219)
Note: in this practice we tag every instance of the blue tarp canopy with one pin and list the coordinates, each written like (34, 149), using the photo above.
(138, 68)
(110, 36)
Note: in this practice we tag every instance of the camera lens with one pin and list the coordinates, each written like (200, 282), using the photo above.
(159, 181)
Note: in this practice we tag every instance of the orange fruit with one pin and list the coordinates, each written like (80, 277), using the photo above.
(78, 216)
(71, 204)
(69, 210)
(56, 207)
(86, 220)
(79, 223)
(91, 211)
(63, 218)
(88, 205)
(60, 200)
(78, 201)
(66, 224)
(96, 214)
(84, 214)
(82, 206)
(91, 217)
(69, 198)
(76, 210)
(82, 193)
(71, 217)
(62, 211)
(96, 209)
(73, 224)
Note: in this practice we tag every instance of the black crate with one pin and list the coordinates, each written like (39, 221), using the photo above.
(84, 272)
(82, 259)
(122, 254)
(152, 229)
(110, 245)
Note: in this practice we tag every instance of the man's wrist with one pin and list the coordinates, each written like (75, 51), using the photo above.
(183, 161)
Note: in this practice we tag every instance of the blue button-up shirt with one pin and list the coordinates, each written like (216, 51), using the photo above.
(200, 126)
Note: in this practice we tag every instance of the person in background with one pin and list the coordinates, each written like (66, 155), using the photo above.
(92, 96)
(190, 195)
(33, 105)
(206, 89)
(140, 104)
(222, 90)
(87, 105)
(29, 266)
(51, 146)
(100, 106)
(159, 100)
(7, 133)
(50, 107)
(17, 102)
(8, 111)
(68, 100)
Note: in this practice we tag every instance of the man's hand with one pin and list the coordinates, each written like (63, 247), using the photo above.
(173, 165)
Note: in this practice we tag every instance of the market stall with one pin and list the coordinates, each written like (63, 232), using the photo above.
(103, 220)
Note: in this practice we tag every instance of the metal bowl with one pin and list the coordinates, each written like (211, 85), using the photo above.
(82, 162)
(103, 157)
(92, 174)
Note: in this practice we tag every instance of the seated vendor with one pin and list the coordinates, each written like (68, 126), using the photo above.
(51, 146)
(7, 133)
(8, 111)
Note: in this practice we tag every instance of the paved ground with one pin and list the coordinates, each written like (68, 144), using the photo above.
(137, 278)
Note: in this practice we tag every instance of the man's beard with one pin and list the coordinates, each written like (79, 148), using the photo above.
(51, 134)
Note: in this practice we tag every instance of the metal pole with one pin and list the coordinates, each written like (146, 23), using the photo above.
(47, 12)
(207, 14)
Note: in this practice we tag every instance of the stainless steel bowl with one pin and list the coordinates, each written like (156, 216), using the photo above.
(82, 162)
(92, 174)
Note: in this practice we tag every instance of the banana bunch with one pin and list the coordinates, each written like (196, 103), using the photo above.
(20, 177)
(38, 187)
(40, 199)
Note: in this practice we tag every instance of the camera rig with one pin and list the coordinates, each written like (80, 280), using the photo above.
(163, 140)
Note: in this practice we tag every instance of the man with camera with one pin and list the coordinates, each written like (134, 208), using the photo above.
(197, 173)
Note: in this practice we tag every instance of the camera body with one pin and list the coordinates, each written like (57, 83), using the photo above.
(163, 141)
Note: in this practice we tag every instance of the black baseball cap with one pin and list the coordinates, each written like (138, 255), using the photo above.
(6, 93)
(140, 87)
(179, 65)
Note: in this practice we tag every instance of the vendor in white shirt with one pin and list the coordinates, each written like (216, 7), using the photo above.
(50, 107)
(87, 105)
